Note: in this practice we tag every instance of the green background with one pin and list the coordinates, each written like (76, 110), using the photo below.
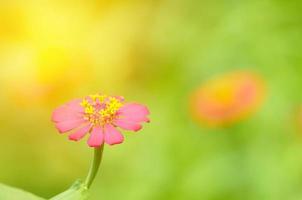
(175, 46)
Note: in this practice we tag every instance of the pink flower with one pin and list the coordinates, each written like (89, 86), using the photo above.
(100, 116)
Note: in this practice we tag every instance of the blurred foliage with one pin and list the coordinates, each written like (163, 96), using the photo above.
(10, 193)
(157, 53)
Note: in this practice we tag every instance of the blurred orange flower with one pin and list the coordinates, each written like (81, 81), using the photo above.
(227, 98)
(296, 117)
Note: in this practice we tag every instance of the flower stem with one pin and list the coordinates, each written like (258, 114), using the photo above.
(98, 154)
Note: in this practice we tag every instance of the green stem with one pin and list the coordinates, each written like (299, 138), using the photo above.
(98, 154)
(79, 189)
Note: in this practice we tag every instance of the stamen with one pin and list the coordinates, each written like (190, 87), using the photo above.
(101, 109)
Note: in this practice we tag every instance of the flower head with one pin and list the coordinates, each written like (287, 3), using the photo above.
(228, 98)
(99, 115)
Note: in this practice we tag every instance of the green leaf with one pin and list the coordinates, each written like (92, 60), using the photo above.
(11, 193)
(78, 191)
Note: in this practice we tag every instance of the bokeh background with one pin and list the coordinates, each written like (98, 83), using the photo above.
(157, 52)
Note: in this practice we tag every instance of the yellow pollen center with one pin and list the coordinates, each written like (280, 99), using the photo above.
(101, 109)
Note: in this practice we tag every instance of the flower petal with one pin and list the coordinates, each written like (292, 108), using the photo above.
(64, 114)
(69, 111)
(134, 118)
(65, 126)
(75, 105)
(121, 98)
(80, 133)
(134, 112)
(127, 125)
(113, 136)
(96, 138)
(134, 108)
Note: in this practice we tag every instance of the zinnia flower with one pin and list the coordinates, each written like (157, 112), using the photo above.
(227, 98)
(100, 116)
